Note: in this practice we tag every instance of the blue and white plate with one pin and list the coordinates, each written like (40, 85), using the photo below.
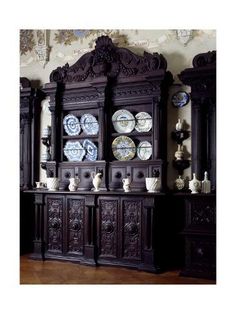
(91, 150)
(144, 150)
(74, 151)
(123, 121)
(144, 122)
(123, 148)
(180, 99)
(71, 124)
(89, 124)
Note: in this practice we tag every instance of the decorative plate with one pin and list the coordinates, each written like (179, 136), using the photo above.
(71, 124)
(123, 148)
(123, 121)
(89, 124)
(180, 99)
(91, 150)
(74, 151)
(143, 122)
(144, 150)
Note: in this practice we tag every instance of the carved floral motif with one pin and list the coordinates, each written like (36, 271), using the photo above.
(203, 214)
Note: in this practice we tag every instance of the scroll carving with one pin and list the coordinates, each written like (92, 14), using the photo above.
(108, 60)
(204, 59)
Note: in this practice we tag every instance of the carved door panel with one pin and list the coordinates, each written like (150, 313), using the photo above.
(107, 227)
(131, 213)
(75, 207)
(200, 259)
(54, 224)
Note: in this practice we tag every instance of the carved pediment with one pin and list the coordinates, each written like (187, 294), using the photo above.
(204, 59)
(108, 60)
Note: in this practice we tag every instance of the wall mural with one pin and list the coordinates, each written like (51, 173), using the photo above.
(37, 45)
(27, 41)
(66, 37)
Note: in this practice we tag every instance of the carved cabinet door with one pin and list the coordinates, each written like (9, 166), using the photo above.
(74, 236)
(107, 227)
(54, 220)
(119, 229)
(131, 213)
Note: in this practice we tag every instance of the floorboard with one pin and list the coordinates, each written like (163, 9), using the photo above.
(56, 272)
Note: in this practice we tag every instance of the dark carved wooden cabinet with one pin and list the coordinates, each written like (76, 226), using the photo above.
(30, 100)
(200, 210)
(135, 229)
(110, 226)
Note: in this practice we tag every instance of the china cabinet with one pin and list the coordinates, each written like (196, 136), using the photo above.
(108, 116)
(30, 99)
(199, 231)
(108, 121)
(202, 79)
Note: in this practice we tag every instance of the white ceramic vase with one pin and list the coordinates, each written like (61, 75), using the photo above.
(74, 184)
(206, 184)
(179, 125)
(153, 184)
(179, 154)
(52, 184)
(96, 181)
(179, 183)
(194, 185)
(126, 184)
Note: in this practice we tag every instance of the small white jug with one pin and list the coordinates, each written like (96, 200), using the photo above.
(96, 180)
(126, 184)
(74, 183)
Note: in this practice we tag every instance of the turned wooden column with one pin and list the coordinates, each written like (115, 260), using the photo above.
(198, 138)
(156, 128)
(212, 144)
(89, 247)
(149, 260)
(26, 150)
(39, 242)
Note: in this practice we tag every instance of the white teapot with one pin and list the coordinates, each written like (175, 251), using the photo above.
(96, 180)
(126, 184)
(74, 183)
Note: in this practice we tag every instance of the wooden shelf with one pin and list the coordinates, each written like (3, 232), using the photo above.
(81, 136)
(135, 133)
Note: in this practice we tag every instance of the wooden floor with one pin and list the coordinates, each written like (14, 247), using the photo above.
(56, 272)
